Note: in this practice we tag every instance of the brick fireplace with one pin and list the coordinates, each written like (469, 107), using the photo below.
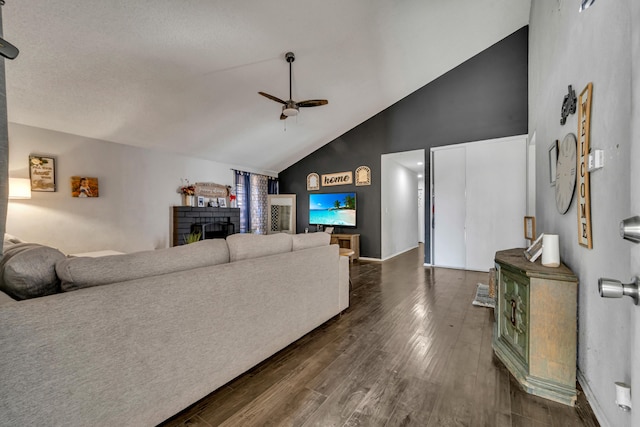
(213, 222)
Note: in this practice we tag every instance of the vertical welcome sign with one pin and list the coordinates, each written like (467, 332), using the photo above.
(584, 198)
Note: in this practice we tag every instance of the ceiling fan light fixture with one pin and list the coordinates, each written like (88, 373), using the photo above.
(290, 111)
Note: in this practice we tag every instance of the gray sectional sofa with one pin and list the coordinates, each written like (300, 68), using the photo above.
(139, 337)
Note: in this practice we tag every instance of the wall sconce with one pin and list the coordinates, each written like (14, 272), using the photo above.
(19, 188)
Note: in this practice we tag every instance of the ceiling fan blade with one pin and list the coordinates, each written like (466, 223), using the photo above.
(312, 103)
(282, 117)
(273, 98)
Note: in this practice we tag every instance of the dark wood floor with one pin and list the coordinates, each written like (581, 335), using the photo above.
(410, 351)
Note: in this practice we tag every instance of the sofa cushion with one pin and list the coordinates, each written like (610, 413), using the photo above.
(310, 240)
(5, 299)
(27, 270)
(83, 272)
(244, 246)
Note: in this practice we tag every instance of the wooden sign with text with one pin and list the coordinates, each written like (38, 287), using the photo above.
(339, 178)
(211, 190)
(584, 198)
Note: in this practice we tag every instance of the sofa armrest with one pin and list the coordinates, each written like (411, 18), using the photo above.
(343, 277)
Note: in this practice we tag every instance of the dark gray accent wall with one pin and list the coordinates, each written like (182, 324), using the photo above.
(4, 147)
(483, 98)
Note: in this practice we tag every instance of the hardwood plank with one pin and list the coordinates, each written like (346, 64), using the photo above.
(344, 400)
(415, 404)
(529, 406)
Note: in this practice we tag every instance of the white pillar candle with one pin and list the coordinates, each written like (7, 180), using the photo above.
(551, 250)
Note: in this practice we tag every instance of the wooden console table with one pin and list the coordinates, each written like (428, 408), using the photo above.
(535, 325)
(348, 241)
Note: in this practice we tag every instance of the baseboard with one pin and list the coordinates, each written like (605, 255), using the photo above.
(400, 253)
(593, 402)
(364, 258)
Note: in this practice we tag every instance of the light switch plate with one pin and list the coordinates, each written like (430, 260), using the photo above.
(596, 160)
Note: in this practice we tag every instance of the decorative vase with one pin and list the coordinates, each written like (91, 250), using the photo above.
(187, 200)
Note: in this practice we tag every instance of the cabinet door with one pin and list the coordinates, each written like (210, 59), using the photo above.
(479, 200)
(449, 207)
(496, 199)
(514, 313)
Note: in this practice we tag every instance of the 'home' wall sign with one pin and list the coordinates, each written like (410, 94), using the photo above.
(339, 178)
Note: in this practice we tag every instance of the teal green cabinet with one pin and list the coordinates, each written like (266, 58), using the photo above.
(535, 325)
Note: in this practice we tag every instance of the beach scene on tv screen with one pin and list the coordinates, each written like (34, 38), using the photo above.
(333, 209)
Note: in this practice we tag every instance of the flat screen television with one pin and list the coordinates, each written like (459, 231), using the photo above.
(337, 209)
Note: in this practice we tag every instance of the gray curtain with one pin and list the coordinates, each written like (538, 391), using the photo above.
(243, 192)
(4, 149)
(251, 192)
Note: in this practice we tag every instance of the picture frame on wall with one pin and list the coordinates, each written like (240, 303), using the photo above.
(84, 186)
(313, 182)
(530, 227)
(553, 160)
(42, 173)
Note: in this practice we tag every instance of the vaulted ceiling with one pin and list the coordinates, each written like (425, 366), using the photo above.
(183, 76)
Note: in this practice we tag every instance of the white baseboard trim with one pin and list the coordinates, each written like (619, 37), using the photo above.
(365, 258)
(593, 402)
(400, 253)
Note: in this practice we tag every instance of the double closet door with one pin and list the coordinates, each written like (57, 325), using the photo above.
(479, 201)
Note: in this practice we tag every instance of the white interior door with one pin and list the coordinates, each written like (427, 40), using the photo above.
(449, 205)
(496, 200)
(479, 193)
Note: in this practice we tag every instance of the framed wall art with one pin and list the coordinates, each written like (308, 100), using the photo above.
(82, 187)
(42, 173)
(313, 182)
(530, 227)
(363, 175)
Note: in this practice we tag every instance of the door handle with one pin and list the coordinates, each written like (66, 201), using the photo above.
(611, 288)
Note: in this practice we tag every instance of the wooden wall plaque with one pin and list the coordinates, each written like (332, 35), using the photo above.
(584, 197)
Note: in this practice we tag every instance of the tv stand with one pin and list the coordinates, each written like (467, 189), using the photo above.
(348, 241)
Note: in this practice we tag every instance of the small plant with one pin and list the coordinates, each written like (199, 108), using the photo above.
(192, 237)
(186, 188)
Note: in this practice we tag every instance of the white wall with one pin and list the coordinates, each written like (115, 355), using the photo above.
(137, 189)
(422, 202)
(635, 202)
(399, 202)
(567, 47)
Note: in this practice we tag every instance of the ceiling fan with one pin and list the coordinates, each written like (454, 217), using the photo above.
(290, 107)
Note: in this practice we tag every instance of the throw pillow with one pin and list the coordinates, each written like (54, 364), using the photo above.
(245, 246)
(310, 240)
(27, 270)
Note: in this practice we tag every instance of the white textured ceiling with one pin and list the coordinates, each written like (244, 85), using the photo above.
(183, 76)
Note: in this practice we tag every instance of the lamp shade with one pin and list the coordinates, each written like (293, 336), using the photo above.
(19, 188)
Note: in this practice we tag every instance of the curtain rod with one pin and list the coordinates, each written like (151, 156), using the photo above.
(253, 173)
